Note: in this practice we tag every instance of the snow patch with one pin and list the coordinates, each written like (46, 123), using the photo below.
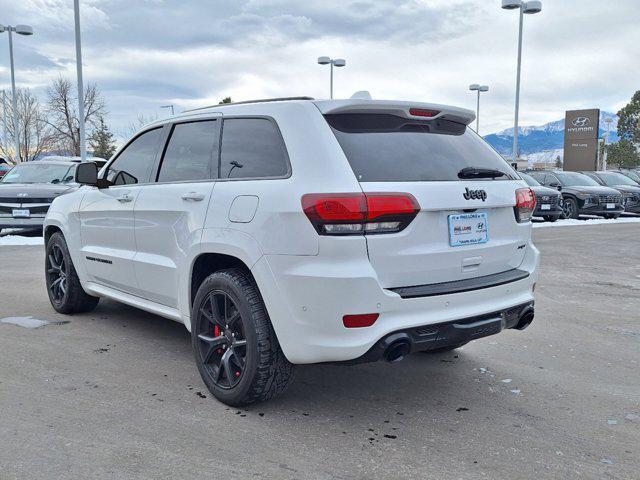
(26, 322)
(13, 240)
(570, 222)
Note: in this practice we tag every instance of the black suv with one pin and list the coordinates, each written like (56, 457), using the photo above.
(582, 195)
(548, 200)
(629, 189)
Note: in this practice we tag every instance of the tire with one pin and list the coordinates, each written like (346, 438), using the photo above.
(445, 349)
(571, 208)
(550, 218)
(63, 286)
(229, 320)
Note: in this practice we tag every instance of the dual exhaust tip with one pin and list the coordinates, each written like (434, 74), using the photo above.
(398, 345)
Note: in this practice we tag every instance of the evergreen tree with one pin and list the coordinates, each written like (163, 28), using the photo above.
(626, 153)
(629, 120)
(102, 141)
(225, 100)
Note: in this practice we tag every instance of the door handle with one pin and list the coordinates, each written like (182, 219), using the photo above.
(193, 197)
(125, 197)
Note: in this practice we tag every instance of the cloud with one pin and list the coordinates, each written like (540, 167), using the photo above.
(146, 53)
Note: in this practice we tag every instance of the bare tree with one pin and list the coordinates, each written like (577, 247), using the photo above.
(63, 112)
(136, 125)
(36, 136)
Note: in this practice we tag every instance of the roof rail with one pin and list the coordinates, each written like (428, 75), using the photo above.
(262, 100)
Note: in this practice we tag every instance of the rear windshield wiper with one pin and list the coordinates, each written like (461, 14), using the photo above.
(473, 172)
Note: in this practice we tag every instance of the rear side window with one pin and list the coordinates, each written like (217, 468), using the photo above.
(190, 152)
(389, 148)
(252, 148)
(135, 162)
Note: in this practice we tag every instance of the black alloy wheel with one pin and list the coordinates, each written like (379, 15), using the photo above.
(570, 208)
(222, 343)
(56, 274)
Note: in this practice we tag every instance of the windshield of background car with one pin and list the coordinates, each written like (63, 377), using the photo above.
(574, 179)
(40, 173)
(532, 182)
(632, 175)
(613, 178)
(389, 148)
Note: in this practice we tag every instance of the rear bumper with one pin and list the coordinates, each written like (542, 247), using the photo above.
(450, 334)
(307, 297)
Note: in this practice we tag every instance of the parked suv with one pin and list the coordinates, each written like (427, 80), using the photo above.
(27, 190)
(548, 200)
(300, 231)
(627, 187)
(582, 195)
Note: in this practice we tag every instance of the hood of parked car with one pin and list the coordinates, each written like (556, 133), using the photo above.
(589, 189)
(24, 191)
(626, 188)
(540, 191)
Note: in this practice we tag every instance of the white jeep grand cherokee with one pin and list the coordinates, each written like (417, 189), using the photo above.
(297, 231)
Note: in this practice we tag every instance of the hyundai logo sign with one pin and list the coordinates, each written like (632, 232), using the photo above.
(581, 122)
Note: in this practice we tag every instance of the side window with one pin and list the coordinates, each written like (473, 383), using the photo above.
(252, 148)
(135, 162)
(190, 151)
(549, 179)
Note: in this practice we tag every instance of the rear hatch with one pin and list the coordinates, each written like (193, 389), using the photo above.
(425, 151)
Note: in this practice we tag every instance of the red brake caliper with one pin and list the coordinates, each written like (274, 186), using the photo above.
(216, 333)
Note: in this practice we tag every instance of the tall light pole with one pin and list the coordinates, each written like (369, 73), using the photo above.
(168, 106)
(83, 144)
(337, 62)
(530, 7)
(4, 124)
(478, 88)
(608, 121)
(20, 30)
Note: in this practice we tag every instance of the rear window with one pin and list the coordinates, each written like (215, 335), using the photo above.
(389, 148)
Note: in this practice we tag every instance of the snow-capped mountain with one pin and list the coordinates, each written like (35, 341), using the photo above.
(550, 136)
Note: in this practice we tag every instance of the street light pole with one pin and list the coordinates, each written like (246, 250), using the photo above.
(530, 7)
(20, 30)
(338, 62)
(14, 100)
(608, 121)
(4, 124)
(169, 106)
(83, 145)
(478, 88)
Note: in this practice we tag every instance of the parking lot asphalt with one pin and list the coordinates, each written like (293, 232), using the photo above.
(115, 394)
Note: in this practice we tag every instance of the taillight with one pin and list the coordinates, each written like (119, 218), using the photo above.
(359, 213)
(525, 204)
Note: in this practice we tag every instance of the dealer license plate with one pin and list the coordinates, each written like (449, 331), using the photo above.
(21, 213)
(611, 205)
(545, 207)
(468, 229)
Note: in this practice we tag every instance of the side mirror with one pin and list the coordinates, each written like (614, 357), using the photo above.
(555, 185)
(87, 173)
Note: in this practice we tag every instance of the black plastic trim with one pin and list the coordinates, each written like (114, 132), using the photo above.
(459, 286)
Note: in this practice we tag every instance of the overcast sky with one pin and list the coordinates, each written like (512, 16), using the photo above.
(146, 53)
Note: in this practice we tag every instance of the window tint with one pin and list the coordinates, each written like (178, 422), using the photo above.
(389, 148)
(252, 148)
(532, 182)
(190, 151)
(135, 162)
(575, 179)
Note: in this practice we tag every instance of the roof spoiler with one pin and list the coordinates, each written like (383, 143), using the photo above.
(411, 110)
